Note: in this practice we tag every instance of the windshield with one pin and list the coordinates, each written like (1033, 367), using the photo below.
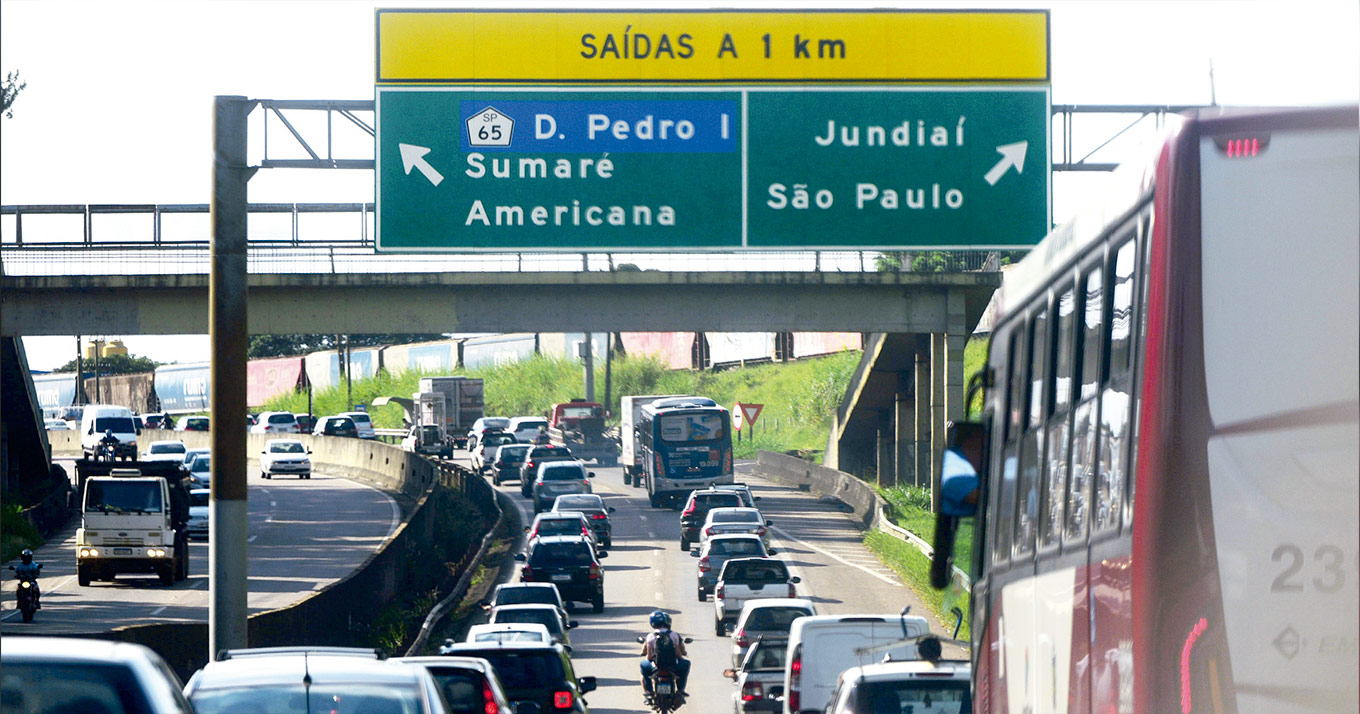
(537, 616)
(771, 571)
(916, 695)
(552, 554)
(199, 498)
(119, 425)
(551, 451)
(202, 463)
(360, 418)
(559, 526)
(734, 517)
(429, 433)
(336, 698)
(286, 448)
(55, 687)
(123, 497)
(495, 423)
(526, 596)
(496, 439)
(579, 412)
(564, 473)
(523, 670)
(737, 546)
(197, 422)
(167, 448)
(282, 419)
(691, 427)
(531, 425)
(513, 453)
(771, 656)
(508, 636)
(569, 503)
(774, 618)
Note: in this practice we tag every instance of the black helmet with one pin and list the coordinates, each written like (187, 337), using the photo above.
(27, 556)
(108, 432)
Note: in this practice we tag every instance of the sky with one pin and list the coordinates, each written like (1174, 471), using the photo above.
(118, 103)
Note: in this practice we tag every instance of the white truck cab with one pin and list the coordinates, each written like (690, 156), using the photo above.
(132, 523)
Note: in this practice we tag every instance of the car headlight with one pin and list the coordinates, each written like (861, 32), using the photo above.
(89, 552)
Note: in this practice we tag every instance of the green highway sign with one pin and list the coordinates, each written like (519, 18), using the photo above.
(558, 169)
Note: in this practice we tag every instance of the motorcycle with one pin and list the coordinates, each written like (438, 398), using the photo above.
(107, 451)
(665, 687)
(26, 595)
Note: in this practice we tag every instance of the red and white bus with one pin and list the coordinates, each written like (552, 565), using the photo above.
(1170, 499)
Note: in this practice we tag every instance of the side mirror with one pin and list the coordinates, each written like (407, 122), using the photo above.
(795, 580)
(309, 451)
(11, 567)
(772, 551)
(573, 625)
(590, 474)
(730, 673)
(587, 684)
(639, 638)
(612, 509)
(769, 522)
(40, 566)
(755, 498)
(959, 490)
(519, 557)
(693, 552)
(602, 554)
(526, 529)
(689, 640)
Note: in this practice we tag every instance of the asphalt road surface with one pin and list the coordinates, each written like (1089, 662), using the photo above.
(646, 570)
(303, 536)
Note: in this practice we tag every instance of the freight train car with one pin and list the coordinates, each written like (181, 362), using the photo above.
(134, 391)
(732, 349)
(180, 389)
(568, 344)
(269, 378)
(57, 389)
(495, 350)
(677, 350)
(812, 344)
(323, 368)
(434, 357)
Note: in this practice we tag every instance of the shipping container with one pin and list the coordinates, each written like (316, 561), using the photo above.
(674, 349)
(726, 349)
(269, 378)
(134, 391)
(811, 344)
(568, 345)
(495, 350)
(57, 389)
(180, 389)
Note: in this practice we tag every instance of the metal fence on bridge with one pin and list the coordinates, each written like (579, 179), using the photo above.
(146, 239)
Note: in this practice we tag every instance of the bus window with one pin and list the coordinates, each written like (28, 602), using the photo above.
(1084, 429)
(1116, 399)
(1059, 428)
(1002, 502)
(1032, 443)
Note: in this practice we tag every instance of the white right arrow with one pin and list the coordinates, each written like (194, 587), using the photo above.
(413, 157)
(1011, 155)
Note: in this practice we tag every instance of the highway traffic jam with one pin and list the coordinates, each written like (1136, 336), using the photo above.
(776, 644)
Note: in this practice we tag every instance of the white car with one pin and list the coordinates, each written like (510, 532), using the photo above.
(275, 423)
(56, 425)
(167, 450)
(363, 423)
(485, 424)
(484, 453)
(509, 632)
(64, 674)
(285, 457)
(198, 512)
(526, 428)
(903, 686)
(194, 423)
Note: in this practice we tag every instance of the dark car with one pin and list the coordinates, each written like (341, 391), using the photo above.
(569, 562)
(336, 426)
(509, 460)
(533, 672)
(597, 514)
(697, 508)
(538, 454)
(306, 422)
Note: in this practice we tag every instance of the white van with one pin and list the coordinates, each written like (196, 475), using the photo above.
(98, 419)
(823, 646)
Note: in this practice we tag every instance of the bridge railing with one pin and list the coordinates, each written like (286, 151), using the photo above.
(131, 239)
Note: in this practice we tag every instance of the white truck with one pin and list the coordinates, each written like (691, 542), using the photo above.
(132, 520)
(630, 412)
(463, 403)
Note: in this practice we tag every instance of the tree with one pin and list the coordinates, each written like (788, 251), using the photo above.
(11, 90)
(114, 364)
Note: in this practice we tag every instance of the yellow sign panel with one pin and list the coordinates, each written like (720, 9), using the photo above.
(676, 47)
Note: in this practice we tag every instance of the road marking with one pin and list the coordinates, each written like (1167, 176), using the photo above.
(252, 539)
(159, 610)
(650, 534)
(833, 556)
(644, 518)
(660, 596)
(273, 504)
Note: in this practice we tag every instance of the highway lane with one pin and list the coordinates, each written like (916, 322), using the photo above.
(303, 536)
(646, 570)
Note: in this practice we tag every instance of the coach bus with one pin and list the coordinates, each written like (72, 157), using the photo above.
(686, 445)
(1167, 502)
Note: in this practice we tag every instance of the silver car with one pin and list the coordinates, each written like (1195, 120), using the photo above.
(63, 674)
(556, 478)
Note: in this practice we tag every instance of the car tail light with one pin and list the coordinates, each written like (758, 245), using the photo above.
(703, 564)
(752, 691)
(741, 640)
(594, 572)
(533, 534)
(526, 573)
(761, 531)
(489, 705)
(597, 516)
(562, 699)
(689, 510)
(708, 531)
(721, 589)
(585, 482)
(795, 680)
(791, 591)
(585, 531)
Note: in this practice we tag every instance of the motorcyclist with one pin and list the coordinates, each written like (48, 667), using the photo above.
(111, 441)
(661, 627)
(28, 570)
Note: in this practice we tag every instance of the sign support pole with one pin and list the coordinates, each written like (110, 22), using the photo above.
(227, 610)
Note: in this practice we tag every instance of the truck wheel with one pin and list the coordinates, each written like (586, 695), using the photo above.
(83, 575)
(656, 501)
(627, 478)
(182, 571)
(609, 462)
(167, 574)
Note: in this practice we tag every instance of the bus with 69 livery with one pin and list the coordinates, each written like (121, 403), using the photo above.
(686, 445)
(1167, 511)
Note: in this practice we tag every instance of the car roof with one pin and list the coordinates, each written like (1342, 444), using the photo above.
(509, 626)
(70, 649)
(551, 539)
(910, 669)
(559, 515)
(167, 441)
(476, 663)
(570, 497)
(511, 586)
(733, 536)
(527, 606)
(458, 647)
(193, 491)
(728, 509)
(779, 602)
(283, 441)
(247, 670)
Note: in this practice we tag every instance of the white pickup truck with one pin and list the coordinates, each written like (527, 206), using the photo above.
(743, 579)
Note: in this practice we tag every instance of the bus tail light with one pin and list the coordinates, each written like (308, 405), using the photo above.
(659, 470)
(727, 461)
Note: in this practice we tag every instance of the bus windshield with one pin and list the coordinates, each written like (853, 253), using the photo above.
(691, 427)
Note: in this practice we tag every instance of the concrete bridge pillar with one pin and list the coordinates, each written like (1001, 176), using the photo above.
(922, 441)
(886, 450)
(904, 426)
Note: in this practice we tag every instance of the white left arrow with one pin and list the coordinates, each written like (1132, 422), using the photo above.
(1011, 155)
(413, 157)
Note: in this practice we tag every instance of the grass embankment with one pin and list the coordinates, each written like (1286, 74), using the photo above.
(17, 532)
(799, 397)
(909, 507)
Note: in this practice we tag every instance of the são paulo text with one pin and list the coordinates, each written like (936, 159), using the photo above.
(529, 167)
(568, 215)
